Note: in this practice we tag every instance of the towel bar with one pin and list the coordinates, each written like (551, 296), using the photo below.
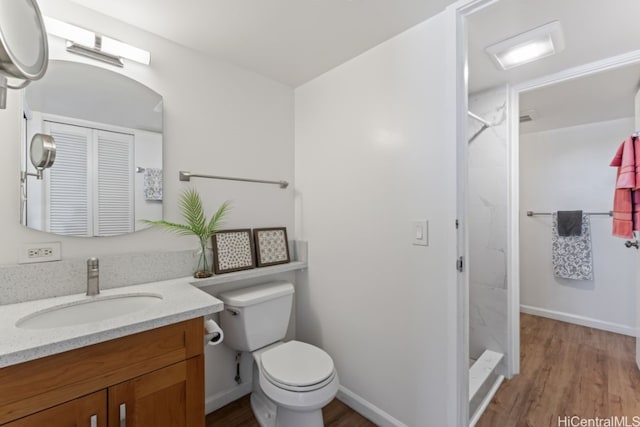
(186, 176)
(532, 213)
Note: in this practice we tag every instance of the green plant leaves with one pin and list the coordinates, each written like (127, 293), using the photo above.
(218, 218)
(195, 218)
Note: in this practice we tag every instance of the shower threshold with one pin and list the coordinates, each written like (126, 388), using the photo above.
(484, 381)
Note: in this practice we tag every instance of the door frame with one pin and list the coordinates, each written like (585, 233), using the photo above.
(513, 258)
(459, 281)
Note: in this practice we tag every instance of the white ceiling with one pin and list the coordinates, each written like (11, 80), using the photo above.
(593, 30)
(291, 41)
(604, 96)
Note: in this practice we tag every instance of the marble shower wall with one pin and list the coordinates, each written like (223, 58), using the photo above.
(487, 203)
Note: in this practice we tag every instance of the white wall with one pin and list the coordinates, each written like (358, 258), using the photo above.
(488, 178)
(568, 169)
(375, 151)
(219, 119)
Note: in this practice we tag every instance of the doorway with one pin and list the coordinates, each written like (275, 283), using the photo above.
(581, 59)
(575, 331)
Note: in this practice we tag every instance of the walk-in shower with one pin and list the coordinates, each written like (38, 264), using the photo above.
(485, 124)
(487, 228)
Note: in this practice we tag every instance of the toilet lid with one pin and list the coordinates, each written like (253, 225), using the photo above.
(297, 364)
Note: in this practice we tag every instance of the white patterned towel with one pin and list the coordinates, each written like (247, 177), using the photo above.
(153, 184)
(571, 255)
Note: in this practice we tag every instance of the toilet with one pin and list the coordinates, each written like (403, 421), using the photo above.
(292, 381)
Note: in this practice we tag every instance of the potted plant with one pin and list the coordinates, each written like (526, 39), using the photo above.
(196, 224)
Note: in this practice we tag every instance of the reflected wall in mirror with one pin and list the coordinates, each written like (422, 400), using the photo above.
(107, 174)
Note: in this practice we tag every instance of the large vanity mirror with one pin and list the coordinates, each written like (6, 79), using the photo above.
(107, 173)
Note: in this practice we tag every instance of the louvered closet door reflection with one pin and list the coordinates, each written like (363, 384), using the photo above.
(68, 185)
(90, 186)
(113, 203)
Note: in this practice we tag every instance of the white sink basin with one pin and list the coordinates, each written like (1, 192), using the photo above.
(88, 310)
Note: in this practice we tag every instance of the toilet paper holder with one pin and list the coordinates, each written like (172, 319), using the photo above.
(213, 333)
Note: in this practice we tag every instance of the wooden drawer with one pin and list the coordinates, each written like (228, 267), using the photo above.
(42, 383)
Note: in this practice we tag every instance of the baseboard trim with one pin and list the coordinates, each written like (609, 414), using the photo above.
(220, 399)
(579, 320)
(367, 409)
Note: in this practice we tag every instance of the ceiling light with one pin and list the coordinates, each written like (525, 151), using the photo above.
(96, 46)
(527, 47)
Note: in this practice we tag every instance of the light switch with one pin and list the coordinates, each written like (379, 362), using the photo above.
(421, 232)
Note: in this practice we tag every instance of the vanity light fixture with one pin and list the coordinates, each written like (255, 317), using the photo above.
(96, 46)
(94, 53)
(124, 50)
(69, 32)
(529, 46)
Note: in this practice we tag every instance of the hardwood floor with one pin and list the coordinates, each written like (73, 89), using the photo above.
(567, 370)
(239, 414)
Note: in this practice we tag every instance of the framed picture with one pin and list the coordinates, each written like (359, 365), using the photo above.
(232, 251)
(272, 246)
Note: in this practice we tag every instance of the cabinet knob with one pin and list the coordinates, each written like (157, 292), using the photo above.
(94, 420)
(123, 415)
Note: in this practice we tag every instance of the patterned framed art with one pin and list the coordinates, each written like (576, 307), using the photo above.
(272, 246)
(233, 251)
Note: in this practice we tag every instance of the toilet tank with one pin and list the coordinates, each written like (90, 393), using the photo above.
(257, 316)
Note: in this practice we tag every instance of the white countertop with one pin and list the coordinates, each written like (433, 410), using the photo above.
(180, 301)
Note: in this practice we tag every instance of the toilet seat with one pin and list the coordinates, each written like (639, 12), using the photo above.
(297, 366)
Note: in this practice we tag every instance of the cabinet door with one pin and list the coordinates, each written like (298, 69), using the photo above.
(87, 411)
(169, 397)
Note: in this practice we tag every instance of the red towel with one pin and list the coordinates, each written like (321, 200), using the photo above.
(626, 201)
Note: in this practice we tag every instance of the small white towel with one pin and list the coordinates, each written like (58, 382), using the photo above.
(153, 184)
(571, 255)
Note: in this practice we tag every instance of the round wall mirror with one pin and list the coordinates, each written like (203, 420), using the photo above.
(42, 151)
(108, 171)
(24, 52)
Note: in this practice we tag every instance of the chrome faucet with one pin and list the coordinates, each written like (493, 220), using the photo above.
(93, 277)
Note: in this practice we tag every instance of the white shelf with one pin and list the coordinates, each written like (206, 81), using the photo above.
(249, 274)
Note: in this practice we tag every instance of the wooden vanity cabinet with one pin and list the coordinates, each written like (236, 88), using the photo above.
(150, 379)
(90, 411)
(159, 399)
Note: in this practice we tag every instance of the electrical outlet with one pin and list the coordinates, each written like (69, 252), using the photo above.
(39, 252)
